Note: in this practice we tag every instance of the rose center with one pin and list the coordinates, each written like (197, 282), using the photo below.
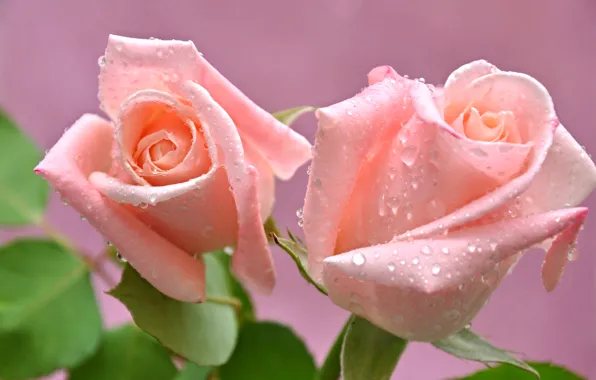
(490, 126)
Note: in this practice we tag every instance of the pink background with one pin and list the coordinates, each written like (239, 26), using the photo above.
(317, 52)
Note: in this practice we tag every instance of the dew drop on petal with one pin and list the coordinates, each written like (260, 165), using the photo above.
(408, 155)
(300, 222)
(358, 259)
(299, 213)
(120, 258)
(471, 248)
(143, 205)
(426, 250)
(415, 260)
(391, 267)
(436, 269)
(445, 250)
(452, 314)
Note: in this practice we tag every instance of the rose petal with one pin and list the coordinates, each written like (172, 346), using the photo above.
(266, 180)
(427, 289)
(132, 65)
(252, 261)
(566, 178)
(137, 114)
(86, 148)
(538, 108)
(349, 130)
(459, 80)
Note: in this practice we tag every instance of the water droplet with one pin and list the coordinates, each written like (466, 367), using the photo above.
(558, 220)
(415, 260)
(120, 258)
(445, 250)
(402, 262)
(452, 314)
(64, 201)
(108, 243)
(391, 267)
(83, 218)
(409, 154)
(493, 245)
(468, 326)
(299, 212)
(490, 278)
(426, 250)
(471, 248)
(358, 259)
(409, 216)
(421, 79)
(143, 205)
(228, 250)
(403, 135)
(300, 222)
(393, 203)
(436, 269)
(462, 287)
(309, 170)
(101, 61)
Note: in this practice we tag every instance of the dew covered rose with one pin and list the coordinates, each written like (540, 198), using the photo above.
(185, 165)
(421, 199)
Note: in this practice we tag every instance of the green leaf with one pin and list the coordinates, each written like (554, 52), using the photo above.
(192, 371)
(369, 352)
(23, 195)
(270, 228)
(291, 114)
(467, 345)
(202, 333)
(247, 312)
(268, 351)
(127, 353)
(49, 318)
(298, 253)
(547, 371)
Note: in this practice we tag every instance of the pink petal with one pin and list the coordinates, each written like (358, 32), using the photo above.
(86, 148)
(348, 132)
(381, 73)
(459, 80)
(252, 260)
(537, 110)
(266, 180)
(132, 65)
(429, 288)
(566, 178)
(136, 115)
(415, 177)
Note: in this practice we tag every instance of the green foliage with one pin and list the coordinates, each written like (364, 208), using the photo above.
(49, 318)
(127, 353)
(268, 351)
(547, 371)
(369, 352)
(467, 345)
(202, 333)
(192, 371)
(290, 115)
(23, 195)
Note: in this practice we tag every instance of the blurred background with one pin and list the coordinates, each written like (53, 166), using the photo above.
(317, 52)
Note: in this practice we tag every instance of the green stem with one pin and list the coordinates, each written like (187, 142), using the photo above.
(331, 369)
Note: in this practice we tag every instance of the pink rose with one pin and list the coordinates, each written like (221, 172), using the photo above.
(185, 166)
(421, 199)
